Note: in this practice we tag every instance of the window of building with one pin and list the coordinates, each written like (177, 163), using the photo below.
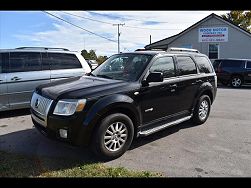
(164, 65)
(25, 61)
(213, 51)
(186, 65)
(204, 64)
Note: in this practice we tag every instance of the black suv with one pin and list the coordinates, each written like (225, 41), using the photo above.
(233, 71)
(151, 90)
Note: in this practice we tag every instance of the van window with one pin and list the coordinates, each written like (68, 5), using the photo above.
(232, 63)
(248, 65)
(164, 65)
(25, 61)
(186, 65)
(204, 64)
(63, 61)
(45, 61)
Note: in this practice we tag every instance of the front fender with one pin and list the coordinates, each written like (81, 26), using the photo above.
(110, 102)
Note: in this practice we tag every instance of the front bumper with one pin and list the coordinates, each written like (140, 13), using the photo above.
(78, 134)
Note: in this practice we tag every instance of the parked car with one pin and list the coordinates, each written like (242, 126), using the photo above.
(108, 109)
(23, 69)
(233, 71)
(92, 63)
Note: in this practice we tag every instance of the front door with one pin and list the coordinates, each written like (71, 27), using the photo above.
(159, 99)
(247, 76)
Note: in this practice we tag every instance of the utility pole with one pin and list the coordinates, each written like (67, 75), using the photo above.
(150, 39)
(118, 34)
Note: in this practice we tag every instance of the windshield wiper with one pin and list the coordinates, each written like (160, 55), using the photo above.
(104, 76)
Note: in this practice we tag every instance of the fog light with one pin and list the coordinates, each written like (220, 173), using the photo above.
(63, 133)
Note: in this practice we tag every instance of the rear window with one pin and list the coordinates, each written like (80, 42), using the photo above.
(204, 64)
(232, 63)
(25, 61)
(248, 65)
(186, 65)
(59, 61)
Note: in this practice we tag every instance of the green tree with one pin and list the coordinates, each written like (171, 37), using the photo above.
(101, 59)
(85, 54)
(240, 18)
(92, 55)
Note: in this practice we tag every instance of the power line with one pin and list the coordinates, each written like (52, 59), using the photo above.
(112, 23)
(119, 17)
(87, 18)
(79, 27)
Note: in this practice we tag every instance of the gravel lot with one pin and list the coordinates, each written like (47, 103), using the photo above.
(220, 147)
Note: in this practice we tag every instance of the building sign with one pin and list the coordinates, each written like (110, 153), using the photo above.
(213, 34)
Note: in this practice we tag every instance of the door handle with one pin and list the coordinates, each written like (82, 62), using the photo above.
(173, 86)
(15, 78)
(199, 81)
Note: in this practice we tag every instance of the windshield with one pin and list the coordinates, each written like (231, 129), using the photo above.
(127, 67)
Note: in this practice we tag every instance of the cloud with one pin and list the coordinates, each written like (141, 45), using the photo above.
(162, 23)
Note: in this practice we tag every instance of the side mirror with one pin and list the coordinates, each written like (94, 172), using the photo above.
(155, 77)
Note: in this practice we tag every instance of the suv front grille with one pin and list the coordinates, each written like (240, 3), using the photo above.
(41, 106)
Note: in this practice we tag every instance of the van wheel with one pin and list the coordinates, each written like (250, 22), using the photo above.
(236, 81)
(202, 110)
(113, 136)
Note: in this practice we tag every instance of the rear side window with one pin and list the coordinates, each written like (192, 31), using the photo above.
(248, 65)
(232, 63)
(204, 64)
(63, 61)
(25, 61)
(186, 65)
(164, 65)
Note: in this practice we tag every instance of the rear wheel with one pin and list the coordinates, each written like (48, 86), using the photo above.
(202, 110)
(113, 136)
(236, 81)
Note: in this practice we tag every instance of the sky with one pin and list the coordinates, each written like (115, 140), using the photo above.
(37, 28)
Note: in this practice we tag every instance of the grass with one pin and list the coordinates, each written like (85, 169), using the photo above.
(13, 165)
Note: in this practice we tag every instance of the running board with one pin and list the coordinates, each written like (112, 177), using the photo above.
(156, 129)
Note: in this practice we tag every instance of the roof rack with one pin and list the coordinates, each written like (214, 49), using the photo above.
(42, 48)
(153, 49)
(182, 50)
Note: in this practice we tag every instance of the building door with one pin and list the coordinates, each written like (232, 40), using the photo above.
(213, 51)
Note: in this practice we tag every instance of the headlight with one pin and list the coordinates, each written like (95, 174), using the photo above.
(67, 107)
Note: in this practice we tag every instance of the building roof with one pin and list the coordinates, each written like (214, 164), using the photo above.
(174, 37)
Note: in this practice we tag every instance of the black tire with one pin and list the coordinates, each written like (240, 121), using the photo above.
(196, 116)
(98, 145)
(236, 81)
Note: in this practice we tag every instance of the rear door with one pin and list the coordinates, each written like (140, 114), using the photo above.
(188, 83)
(64, 65)
(4, 103)
(25, 74)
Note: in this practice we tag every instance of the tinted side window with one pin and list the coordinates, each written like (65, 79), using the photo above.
(204, 64)
(164, 65)
(63, 61)
(25, 61)
(232, 63)
(1, 64)
(248, 64)
(45, 62)
(186, 65)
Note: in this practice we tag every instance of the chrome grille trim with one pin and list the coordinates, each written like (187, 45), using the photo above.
(42, 109)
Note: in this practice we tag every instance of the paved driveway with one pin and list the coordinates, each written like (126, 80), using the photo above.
(220, 147)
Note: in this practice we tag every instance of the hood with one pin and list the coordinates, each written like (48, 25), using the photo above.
(82, 87)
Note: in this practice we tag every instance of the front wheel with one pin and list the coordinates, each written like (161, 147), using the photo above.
(113, 136)
(202, 110)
